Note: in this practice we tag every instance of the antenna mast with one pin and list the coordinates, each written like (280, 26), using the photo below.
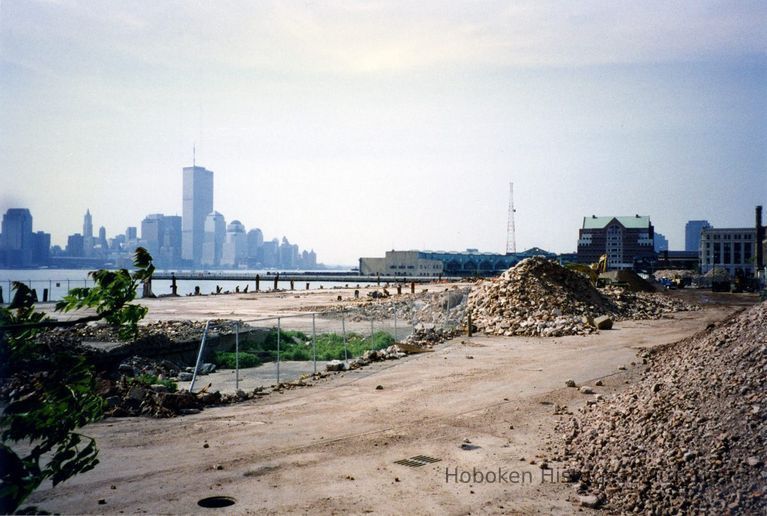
(194, 155)
(511, 238)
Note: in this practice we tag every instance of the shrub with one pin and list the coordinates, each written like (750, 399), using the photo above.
(227, 359)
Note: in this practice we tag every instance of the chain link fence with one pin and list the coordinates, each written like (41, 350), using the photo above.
(268, 351)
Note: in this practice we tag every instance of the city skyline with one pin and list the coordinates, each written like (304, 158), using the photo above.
(366, 127)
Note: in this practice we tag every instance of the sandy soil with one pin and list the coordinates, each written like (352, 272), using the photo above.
(332, 447)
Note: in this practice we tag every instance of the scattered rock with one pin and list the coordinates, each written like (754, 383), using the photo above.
(684, 438)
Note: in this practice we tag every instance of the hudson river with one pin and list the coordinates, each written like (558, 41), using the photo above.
(58, 281)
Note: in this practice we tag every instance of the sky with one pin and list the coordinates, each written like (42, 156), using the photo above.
(356, 127)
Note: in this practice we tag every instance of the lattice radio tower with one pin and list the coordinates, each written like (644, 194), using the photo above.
(511, 237)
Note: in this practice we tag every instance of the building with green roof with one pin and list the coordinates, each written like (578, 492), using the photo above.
(624, 239)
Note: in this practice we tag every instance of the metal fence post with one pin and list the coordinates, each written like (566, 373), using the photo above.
(314, 343)
(199, 356)
(237, 356)
(447, 311)
(395, 320)
(279, 330)
(343, 331)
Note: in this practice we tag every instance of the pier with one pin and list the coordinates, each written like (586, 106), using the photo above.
(340, 277)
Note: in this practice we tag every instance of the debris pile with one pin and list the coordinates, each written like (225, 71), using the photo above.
(393, 352)
(691, 436)
(172, 330)
(427, 337)
(643, 305)
(539, 297)
(536, 297)
(437, 308)
(671, 274)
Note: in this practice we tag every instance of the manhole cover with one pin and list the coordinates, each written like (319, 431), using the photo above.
(216, 502)
(417, 461)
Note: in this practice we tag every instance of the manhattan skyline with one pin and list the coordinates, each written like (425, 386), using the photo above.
(360, 128)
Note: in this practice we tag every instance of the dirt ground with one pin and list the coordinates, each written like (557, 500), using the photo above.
(332, 447)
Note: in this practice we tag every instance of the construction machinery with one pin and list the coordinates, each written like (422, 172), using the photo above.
(592, 271)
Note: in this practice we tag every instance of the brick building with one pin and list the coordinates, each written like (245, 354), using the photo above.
(623, 239)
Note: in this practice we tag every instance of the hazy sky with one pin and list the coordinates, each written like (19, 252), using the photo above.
(356, 127)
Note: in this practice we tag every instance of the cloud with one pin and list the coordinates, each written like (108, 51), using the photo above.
(381, 37)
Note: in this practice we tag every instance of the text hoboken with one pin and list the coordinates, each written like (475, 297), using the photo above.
(499, 476)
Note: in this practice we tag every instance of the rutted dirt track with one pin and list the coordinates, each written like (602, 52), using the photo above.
(332, 447)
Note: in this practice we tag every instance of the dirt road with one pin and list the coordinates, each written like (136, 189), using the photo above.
(331, 448)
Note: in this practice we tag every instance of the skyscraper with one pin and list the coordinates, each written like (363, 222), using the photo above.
(215, 234)
(17, 238)
(197, 204)
(87, 233)
(692, 232)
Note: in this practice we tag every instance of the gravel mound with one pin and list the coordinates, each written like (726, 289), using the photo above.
(691, 436)
(540, 297)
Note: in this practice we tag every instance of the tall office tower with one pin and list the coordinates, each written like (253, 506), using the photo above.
(152, 229)
(197, 204)
(17, 242)
(215, 234)
(88, 233)
(692, 232)
(170, 243)
(103, 238)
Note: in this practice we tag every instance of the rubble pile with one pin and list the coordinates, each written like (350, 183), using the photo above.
(128, 397)
(673, 274)
(438, 308)
(536, 297)
(643, 305)
(173, 330)
(539, 297)
(691, 436)
(427, 337)
(392, 352)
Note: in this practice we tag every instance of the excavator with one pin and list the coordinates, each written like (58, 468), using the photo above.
(592, 271)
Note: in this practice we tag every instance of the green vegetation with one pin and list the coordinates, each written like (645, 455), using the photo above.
(226, 359)
(54, 389)
(150, 379)
(296, 345)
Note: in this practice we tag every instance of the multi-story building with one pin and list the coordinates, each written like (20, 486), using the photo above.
(197, 205)
(269, 253)
(215, 233)
(87, 233)
(625, 240)
(170, 241)
(692, 234)
(17, 243)
(660, 242)
(728, 248)
(434, 263)
(75, 248)
(152, 229)
(235, 249)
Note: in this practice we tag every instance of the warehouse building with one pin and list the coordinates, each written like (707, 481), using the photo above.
(728, 248)
(441, 263)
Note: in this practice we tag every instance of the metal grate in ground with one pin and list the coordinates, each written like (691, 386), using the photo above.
(417, 461)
